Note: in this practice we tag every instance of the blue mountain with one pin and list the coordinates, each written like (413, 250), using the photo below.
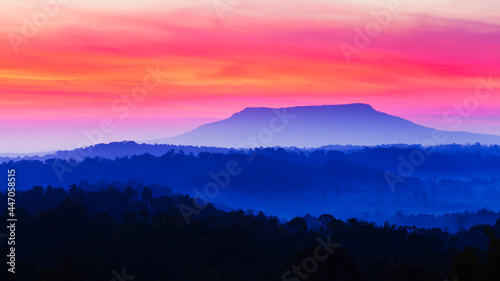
(315, 126)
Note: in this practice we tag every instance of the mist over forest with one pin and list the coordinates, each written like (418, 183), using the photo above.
(445, 186)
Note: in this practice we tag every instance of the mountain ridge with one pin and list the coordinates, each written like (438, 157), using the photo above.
(316, 126)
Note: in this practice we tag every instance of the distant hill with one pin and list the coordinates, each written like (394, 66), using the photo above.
(347, 128)
(316, 126)
(115, 150)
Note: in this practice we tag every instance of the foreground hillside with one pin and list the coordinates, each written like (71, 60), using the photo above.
(105, 233)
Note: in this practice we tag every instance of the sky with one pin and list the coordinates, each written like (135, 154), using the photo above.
(74, 72)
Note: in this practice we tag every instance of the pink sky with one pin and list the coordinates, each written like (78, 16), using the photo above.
(75, 69)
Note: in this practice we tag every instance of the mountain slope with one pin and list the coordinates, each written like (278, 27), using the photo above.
(314, 126)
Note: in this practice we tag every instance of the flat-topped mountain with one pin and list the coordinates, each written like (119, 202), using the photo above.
(314, 126)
